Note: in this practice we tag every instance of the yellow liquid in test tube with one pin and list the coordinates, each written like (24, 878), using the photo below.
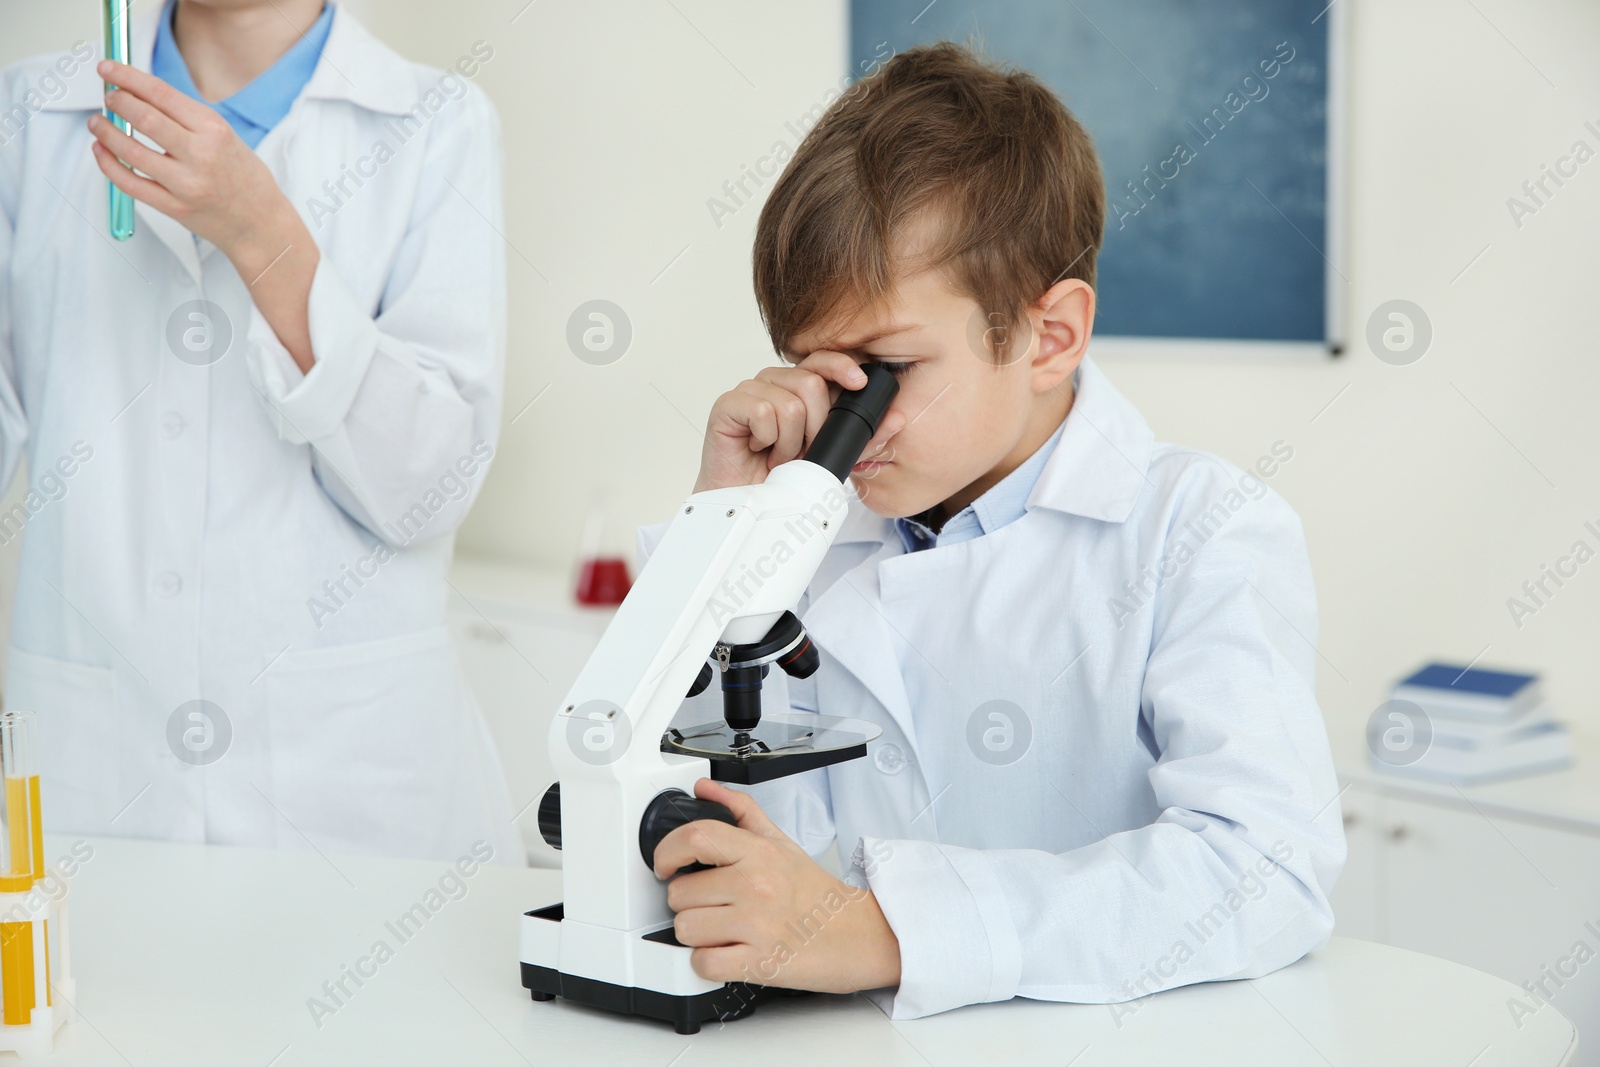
(26, 839)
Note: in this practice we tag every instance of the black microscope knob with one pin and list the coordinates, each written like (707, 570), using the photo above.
(550, 816)
(671, 809)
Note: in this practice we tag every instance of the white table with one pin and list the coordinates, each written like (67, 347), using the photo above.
(208, 955)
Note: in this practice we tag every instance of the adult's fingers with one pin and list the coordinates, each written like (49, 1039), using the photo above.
(188, 112)
(150, 120)
(130, 151)
(139, 188)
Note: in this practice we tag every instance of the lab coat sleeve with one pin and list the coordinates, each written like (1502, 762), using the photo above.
(402, 408)
(13, 424)
(1231, 880)
(800, 805)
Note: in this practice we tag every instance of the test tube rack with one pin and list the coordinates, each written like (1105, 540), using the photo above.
(37, 991)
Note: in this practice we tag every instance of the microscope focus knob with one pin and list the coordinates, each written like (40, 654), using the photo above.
(550, 816)
(671, 809)
(802, 661)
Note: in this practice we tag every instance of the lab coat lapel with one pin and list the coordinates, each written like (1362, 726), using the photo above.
(847, 619)
(171, 234)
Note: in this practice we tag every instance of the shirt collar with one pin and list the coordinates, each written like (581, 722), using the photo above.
(269, 96)
(1096, 468)
(354, 66)
(1100, 466)
(1003, 502)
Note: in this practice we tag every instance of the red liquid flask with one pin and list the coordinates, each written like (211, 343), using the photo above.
(603, 581)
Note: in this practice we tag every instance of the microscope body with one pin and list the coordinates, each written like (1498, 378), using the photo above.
(731, 564)
(720, 588)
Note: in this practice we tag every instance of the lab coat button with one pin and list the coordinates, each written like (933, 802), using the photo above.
(168, 583)
(171, 424)
(889, 759)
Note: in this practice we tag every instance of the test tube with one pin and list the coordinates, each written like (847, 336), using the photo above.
(21, 859)
(118, 47)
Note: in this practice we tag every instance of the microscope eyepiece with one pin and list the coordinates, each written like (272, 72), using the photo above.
(852, 421)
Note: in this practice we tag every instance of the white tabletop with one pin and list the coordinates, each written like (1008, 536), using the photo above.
(208, 955)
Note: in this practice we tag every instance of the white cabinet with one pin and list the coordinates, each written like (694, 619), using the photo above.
(521, 640)
(1504, 878)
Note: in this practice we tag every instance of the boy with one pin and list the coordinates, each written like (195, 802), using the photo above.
(1103, 771)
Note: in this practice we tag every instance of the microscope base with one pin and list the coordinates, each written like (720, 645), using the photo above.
(733, 1001)
(685, 1011)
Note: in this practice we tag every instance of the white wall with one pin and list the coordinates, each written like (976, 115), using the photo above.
(1429, 492)
(621, 118)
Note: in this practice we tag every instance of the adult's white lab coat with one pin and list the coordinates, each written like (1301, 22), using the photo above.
(1103, 771)
(232, 531)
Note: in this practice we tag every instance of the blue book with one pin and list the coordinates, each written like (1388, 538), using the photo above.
(1476, 692)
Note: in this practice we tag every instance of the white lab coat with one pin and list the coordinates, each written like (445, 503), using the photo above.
(235, 532)
(1171, 815)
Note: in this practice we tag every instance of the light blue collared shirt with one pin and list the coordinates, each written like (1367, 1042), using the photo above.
(254, 110)
(1003, 502)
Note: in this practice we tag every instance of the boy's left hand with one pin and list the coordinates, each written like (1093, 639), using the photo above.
(767, 913)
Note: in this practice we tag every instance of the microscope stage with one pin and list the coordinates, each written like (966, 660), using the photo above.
(776, 747)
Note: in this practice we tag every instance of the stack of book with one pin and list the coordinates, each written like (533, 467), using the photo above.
(1480, 725)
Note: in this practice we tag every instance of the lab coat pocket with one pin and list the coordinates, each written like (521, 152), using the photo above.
(366, 742)
(80, 736)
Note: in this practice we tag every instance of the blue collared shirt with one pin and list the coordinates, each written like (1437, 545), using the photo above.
(254, 110)
(1001, 503)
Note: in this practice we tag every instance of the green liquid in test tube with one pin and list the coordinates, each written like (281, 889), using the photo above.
(118, 48)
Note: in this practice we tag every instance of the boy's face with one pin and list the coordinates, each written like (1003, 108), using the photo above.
(966, 420)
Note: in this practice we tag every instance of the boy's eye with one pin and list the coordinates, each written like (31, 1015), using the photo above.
(896, 369)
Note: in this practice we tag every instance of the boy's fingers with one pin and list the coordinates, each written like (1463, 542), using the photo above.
(708, 928)
(704, 889)
(743, 806)
(721, 964)
(787, 419)
(707, 841)
(836, 367)
(814, 390)
(739, 414)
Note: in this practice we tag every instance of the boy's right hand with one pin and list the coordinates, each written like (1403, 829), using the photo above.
(772, 418)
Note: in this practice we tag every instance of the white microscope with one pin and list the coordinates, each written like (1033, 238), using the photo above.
(715, 600)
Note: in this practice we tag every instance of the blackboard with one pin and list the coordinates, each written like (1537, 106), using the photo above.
(1225, 237)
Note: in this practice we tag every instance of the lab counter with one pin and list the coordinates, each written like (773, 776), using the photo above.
(186, 954)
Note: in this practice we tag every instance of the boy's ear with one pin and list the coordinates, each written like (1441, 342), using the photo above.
(1062, 318)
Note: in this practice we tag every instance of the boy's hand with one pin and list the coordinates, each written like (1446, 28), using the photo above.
(771, 418)
(767, 913)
